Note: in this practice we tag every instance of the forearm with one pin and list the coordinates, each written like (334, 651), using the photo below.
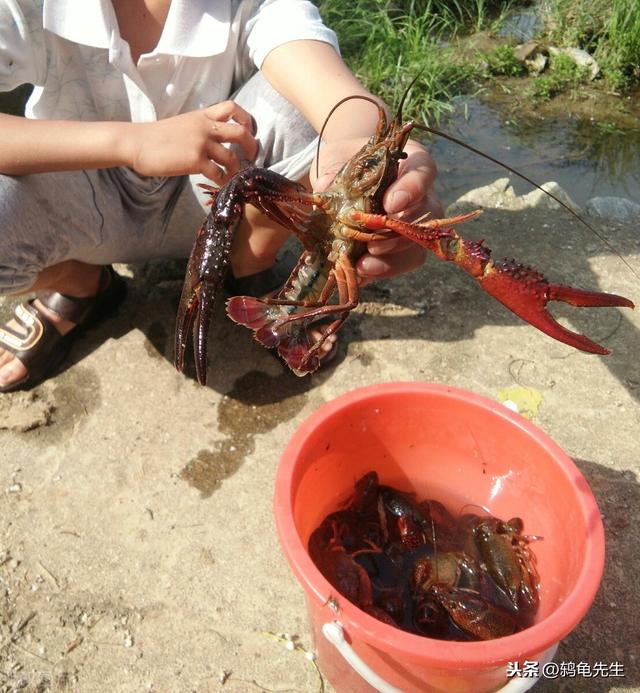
(38, 146)
(313, 77)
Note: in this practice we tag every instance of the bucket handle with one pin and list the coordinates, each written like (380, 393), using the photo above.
(334, 633)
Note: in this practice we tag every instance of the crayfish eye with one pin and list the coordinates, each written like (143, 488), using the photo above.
(369, 162)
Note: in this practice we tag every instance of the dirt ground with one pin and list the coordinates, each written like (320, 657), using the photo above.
(137, 544)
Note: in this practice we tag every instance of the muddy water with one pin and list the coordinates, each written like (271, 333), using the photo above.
(596, 154)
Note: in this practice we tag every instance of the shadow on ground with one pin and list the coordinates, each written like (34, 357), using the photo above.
(611, 630)
(440, 303)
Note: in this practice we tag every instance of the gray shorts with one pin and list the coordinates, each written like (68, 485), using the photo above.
(113, 215)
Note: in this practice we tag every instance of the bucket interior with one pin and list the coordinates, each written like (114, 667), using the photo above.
(464, 451)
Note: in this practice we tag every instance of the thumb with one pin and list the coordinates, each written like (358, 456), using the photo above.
(324, 180)
(326, 175)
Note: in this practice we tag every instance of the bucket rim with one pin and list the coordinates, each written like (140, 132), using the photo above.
(441, 653)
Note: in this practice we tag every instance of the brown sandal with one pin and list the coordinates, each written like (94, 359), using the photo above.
(42, 348)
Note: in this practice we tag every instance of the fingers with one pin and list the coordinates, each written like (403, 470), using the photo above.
(229, 110)
(404, 259)
(232, 124)
(413, 188)
(393, 244)
(410, 197)
(214, 172)
(223, 157)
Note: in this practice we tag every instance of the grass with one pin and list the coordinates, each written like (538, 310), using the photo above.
(387, 44)
(608, 29)
(563, 74)
(503, 62)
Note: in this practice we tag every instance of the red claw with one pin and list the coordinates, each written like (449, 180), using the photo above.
(523, 290)
(526, 292)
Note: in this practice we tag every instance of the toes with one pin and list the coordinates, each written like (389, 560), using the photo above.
(327, 345)
(5, 357)
(12, 372)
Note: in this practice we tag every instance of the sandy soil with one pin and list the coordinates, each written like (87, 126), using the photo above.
(137, 545)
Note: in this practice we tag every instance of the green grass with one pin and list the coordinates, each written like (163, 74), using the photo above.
(562, 75)
(503, 62)
(608, 29)
(387, 44)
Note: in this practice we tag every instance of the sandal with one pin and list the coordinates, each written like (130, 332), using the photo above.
(260, 284)
(266, 283)
(42, 349)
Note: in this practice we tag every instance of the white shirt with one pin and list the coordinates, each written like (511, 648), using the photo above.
(71, 50)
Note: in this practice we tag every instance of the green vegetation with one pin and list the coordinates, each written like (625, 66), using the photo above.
(563, 74)
(608, 29)
(503, 62)
(387, 43)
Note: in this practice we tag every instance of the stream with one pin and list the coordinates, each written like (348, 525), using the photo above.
(588, 157)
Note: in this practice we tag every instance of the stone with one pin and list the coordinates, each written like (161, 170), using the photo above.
(581, 58)
(613, 208)
(526, 51)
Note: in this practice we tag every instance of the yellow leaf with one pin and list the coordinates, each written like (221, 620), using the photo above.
(526, 399)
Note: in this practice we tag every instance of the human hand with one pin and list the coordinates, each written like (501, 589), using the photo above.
(193, 143)
(409, 198)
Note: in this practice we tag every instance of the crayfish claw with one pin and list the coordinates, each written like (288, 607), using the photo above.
(206, 269)
(526, 292)
(194, 315)
(582, 298)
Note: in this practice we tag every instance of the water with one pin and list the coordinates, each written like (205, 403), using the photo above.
(587, 157)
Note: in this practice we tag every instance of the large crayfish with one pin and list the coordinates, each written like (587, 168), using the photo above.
(334, 227)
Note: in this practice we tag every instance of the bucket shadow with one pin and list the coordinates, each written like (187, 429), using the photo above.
(611, 630)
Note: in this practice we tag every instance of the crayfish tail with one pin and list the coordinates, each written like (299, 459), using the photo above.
(295, 345)
(259, 316)
(256, 315)
(297, 352)
(248, 311)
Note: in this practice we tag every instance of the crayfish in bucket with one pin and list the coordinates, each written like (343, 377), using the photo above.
(334, 227)
(412, 565)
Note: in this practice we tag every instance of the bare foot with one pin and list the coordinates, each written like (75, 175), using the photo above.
(328, 344)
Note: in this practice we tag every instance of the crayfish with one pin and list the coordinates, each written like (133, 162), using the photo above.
(334, 227)
(414, 566)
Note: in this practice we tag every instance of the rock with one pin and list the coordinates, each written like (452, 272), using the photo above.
(613, 208)
(537, 64)
(495, 194)
(24, 411)
(580, 57)
(522, 26)
(537, 198)
(526, 51)
(500, 195)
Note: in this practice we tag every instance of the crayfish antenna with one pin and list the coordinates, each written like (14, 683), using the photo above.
(573, 213)
(382, 121)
